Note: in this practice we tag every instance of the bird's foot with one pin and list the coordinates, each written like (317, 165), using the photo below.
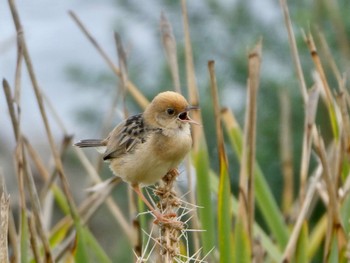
(167, 219)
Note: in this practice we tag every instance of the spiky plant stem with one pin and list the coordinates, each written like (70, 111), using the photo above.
(169, 204)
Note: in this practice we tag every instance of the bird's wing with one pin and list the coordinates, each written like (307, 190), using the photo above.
(125, 137)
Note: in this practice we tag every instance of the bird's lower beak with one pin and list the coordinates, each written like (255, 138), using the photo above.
(189, 120)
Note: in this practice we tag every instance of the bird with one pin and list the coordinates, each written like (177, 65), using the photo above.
(145, 147)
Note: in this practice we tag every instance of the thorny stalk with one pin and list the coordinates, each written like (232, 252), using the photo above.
(169, 203)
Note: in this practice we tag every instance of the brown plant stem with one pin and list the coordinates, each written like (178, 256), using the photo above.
(169, 204)
(39, 98)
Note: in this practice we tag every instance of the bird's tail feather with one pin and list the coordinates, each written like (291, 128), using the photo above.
(90, 143)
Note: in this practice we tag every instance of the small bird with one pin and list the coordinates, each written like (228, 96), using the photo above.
(144, 147)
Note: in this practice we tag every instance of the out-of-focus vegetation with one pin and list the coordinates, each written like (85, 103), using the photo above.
(287, 144)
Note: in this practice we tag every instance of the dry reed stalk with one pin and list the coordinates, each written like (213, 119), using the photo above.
(253, 82)
(123, 69)
(19, 166)
(35, 205)
(18, 74)
(123, 84)
(106, 123)
(55, 116)
(33, 238)
(66, 143)
(25, 178)
(217, 114)
(334, 223)
(24, 173)
(192, 200)
(169, 44)
(286, 147)
(4, 222)
(224, 206)
(302, 216)
(317, 62)
(86, 211)
(49, 184)
(310, 115)
(345, 140)
(39, 98)
(43, 172)
(111, 205)
(345, 121)
(138, 96)
(169, 231)
(294, 49)
(331, 60)
(197, 131)
(246, 182)
(13, 238)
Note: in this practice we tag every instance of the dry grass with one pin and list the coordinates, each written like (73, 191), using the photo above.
(194, 235)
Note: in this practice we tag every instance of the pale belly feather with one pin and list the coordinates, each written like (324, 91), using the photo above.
(152, 159)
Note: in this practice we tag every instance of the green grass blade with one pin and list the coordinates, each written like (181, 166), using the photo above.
(224, 214)
(301, 254)
(80, 253)
(345, 212)
(270, 247)
(242, 253)
(201, 163)
(334, 253)
(61, 199)
(24, 237)
(269, 209)
(263, 194)
(57, 236)
(317, 236)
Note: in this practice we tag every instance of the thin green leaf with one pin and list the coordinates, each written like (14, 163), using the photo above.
(242, 252)
(269, 246)
(61, 199)
(224, 214)
(334, 252)
(201, 163)
(24, 237)
(57, 237)
(317, 235)
(263, 194)
(345, 212)
(302, 245)
(81, 255)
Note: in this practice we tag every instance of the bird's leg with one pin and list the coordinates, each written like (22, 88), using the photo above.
(159, 216)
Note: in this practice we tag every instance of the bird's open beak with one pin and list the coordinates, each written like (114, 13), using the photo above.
(184, 117)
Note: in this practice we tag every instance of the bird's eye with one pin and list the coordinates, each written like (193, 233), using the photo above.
(170, 111)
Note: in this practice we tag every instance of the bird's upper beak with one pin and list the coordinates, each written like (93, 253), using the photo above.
(184, 117)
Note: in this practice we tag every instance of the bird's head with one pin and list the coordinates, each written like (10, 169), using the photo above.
(169, 110)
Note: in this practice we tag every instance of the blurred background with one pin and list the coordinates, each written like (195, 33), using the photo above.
(81, 86)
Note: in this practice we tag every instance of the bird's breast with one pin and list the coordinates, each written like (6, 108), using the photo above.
(173, 146)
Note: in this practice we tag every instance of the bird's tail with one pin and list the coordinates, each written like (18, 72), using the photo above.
(99, 145)
(90, 143)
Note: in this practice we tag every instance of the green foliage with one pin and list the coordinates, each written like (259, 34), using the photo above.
(241, 251)
(201, 162)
